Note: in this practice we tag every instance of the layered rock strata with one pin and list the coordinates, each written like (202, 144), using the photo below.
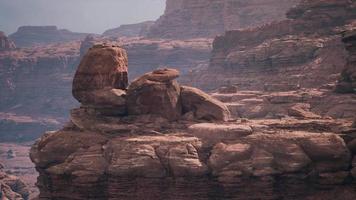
(304, 51)
(208, 18)
(347, 82)
(175, 139)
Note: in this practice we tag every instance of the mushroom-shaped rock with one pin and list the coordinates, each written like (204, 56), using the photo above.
(155, 93)
(101, 77)
(203, 105)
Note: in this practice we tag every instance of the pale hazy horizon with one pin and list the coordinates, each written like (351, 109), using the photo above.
(88, 16)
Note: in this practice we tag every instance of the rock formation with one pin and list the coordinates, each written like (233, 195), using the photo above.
(303, 51)
(208, 18)
(27, 36)
(175, 140)
(5, 43)
(129, 30)
(11, 187)
(347, 83)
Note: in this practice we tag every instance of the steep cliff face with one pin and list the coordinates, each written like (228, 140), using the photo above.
(208, 18)
(37, 84)
(304, 50)
(5, 42)
(27, 36)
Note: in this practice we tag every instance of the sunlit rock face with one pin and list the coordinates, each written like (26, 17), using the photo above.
(208, 18)
(178, 142)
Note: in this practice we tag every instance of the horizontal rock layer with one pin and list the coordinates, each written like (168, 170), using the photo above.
(208, 18)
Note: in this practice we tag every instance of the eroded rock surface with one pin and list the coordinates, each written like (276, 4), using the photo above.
(208, 18)
(101, 70)
(173, 136)
(11, 187)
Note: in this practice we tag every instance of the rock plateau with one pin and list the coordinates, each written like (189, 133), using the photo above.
(178, 142)
(28, 36)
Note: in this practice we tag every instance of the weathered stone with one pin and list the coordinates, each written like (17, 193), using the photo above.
(103, 67)
(213, 133)
(203, 106)
(155, 93)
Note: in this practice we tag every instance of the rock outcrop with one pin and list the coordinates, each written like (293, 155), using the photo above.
(174, 139)
(11, 187)
(347, 82)
(129, 30)
(5, 42)
(28, 36)
(303, 51)
(208, 18)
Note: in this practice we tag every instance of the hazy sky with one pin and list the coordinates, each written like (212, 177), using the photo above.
(93, 16)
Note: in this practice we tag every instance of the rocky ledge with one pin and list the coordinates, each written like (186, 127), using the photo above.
(11, 187)
(156, 138)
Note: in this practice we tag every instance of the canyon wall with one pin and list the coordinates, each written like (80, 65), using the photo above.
(302, 51)
(208, 18)
(37, 84)
(27, 36)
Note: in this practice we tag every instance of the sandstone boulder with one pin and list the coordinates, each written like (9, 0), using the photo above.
(202, 105)
(155, 93)
(101, 77)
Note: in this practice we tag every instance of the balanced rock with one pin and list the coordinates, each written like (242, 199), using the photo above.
(155, 93)
(202, 105)
(101, 77)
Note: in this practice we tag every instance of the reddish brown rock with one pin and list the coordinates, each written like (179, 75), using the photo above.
(202, 105)
(103, 67)
(208, 18)
(155, 93)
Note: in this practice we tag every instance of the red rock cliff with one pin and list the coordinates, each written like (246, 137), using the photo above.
(208, 18)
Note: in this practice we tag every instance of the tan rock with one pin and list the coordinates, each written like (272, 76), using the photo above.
(212, 133)
(204, 106)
